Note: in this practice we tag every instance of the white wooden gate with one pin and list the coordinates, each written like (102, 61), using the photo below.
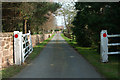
(22, 46)
(104, 45)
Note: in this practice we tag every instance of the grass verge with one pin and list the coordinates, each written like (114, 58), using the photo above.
(108, 70)
(13, 70)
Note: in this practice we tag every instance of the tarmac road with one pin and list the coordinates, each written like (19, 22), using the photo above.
(58, 60)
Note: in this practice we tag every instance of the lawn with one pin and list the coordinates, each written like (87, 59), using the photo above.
(108, 70)
(13, 70)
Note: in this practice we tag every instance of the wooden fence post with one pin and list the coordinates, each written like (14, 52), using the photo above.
(17, 47)
(104, 46)
(30, 40)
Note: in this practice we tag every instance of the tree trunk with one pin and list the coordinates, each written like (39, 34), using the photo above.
(24, 26)
(66, 24)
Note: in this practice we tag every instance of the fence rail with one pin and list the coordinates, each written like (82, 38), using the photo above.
(113, 52)
(117, 35)
(114, 44)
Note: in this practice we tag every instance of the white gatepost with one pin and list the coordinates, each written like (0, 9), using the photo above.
(104, 46)
(30, 40)
(17, 47)
(22, 52)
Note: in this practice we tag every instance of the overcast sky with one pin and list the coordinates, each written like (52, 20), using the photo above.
(60, 19)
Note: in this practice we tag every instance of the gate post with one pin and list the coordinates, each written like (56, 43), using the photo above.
(30, 40)
(17, 47)
(22, 51)
(104, 46)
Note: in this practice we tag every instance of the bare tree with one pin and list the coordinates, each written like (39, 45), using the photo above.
(68, 12)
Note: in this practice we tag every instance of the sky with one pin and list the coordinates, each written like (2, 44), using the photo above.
(60, 19)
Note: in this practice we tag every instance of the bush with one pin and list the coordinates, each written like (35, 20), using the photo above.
(91, 18)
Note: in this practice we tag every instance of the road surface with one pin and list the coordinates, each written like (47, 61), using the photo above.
(58, 60)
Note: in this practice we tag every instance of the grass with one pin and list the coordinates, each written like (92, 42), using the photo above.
(108, 70)
(13, 70)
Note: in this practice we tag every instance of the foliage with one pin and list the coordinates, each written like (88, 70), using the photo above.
(36, 14)
(91, 18)
(68, 12)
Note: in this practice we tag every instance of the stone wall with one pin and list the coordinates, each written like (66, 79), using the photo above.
(6, 49)
(36, 39)
(47, 36)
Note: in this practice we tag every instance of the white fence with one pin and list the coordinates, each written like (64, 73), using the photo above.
(104, 45)
(22, 46)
